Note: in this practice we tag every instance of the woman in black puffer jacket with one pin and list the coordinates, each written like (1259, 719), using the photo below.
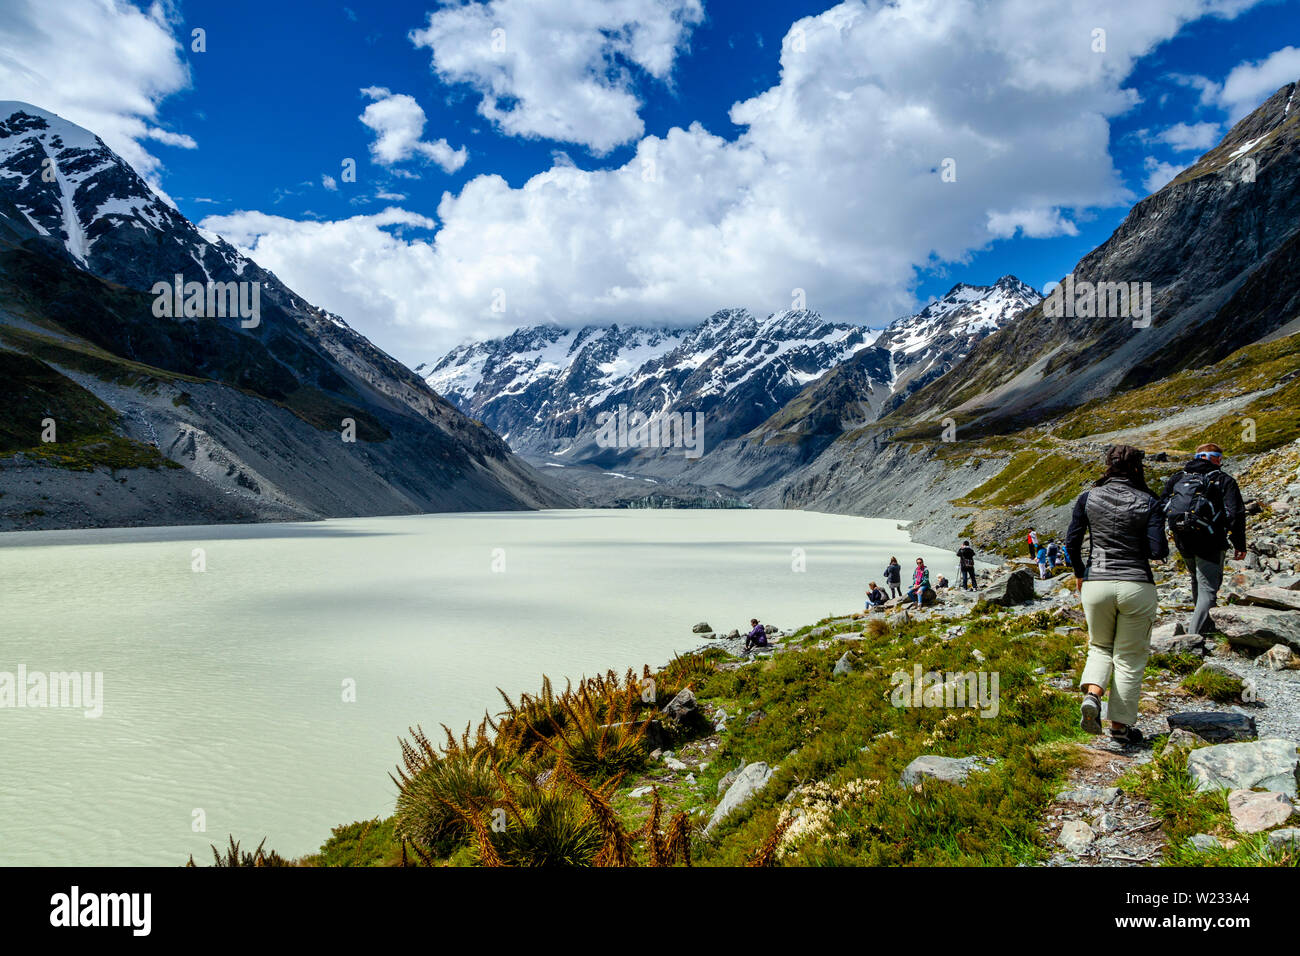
(1126, 530)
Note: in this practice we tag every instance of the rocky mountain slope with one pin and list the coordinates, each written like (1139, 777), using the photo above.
(256, 394)
(547, 389)
(909, 353)
(1030, 409)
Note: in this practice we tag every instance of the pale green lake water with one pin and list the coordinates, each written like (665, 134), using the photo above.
(223, 690)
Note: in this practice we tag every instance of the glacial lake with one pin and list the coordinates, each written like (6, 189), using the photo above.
(224, 689)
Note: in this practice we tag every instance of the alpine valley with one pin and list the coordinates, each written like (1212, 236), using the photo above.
(983, 411)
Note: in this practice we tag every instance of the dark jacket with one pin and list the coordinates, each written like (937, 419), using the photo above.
(966, 556)
(893, 572)
(757, 636)
(1125, 527)
(1234, 509)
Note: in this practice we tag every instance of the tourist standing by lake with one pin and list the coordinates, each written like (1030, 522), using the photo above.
(894, 577)
(966, 561)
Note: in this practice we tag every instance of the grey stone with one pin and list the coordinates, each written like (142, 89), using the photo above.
(753, 778)
(1282, 599)
(673, 763)
(1284, 836)
(683, 706)
(1279, 657)
(1076, 836)
(1271, 764)
(1184, 739)
(1249, 626)
(1215, 726)
(1253, 812)
(844, 665)
(701, 628)
(640, 792)
(1205, 841)
(1088, 795)
(1178, 644)
(1009, 590)
(949, 769)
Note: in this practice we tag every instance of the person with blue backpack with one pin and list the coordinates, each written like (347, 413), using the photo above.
(1203, 506)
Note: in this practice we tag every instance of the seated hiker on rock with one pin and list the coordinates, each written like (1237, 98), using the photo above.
(920, 582)
(1124, 523)
(757, 637)
(876, 597)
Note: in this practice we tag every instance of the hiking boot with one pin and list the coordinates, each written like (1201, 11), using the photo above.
(1090, 714)
(1128, 737)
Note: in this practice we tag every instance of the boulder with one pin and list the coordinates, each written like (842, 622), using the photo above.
(1205, 841)
(683, 706)
(1076, 836)
(1010, 589)
(844, 665)
(701, 628)
(1184, 740)
(753, 778)
(1215, 726)
(1279, 657)
(1250, 626)
(672, 763)
(1271, 764)
(1253, 812)
(1088, 795)
(1282, 599)
(1177, 643)
(640, 792)
(1285, 836)
(948, 769)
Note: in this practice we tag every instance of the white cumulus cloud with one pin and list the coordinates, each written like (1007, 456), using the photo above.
(398, 122)
(1250, 83)
(565, 71)
(102, 64)
(835, 185)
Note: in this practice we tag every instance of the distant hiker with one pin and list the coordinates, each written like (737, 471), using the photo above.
(1205, 512)
(920, 582)
(1042, 562)
(894, 577)
(941, 583)
(875, 597)
(756, 637)
(966, 560)
(1065, 557)
(1033, 543)
(1125, 527)
(1053, 554)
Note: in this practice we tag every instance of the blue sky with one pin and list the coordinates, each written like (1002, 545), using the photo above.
(1053, 142)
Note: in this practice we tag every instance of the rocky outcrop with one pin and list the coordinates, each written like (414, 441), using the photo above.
(749, 781)
(1271, 764)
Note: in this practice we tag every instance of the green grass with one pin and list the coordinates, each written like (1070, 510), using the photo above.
(1174, 663)
(1034, 475)
(1221, 688)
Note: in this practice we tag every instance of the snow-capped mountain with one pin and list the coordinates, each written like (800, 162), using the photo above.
(84, 242)
(866, 386)
(544, 388)
(925, 345)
